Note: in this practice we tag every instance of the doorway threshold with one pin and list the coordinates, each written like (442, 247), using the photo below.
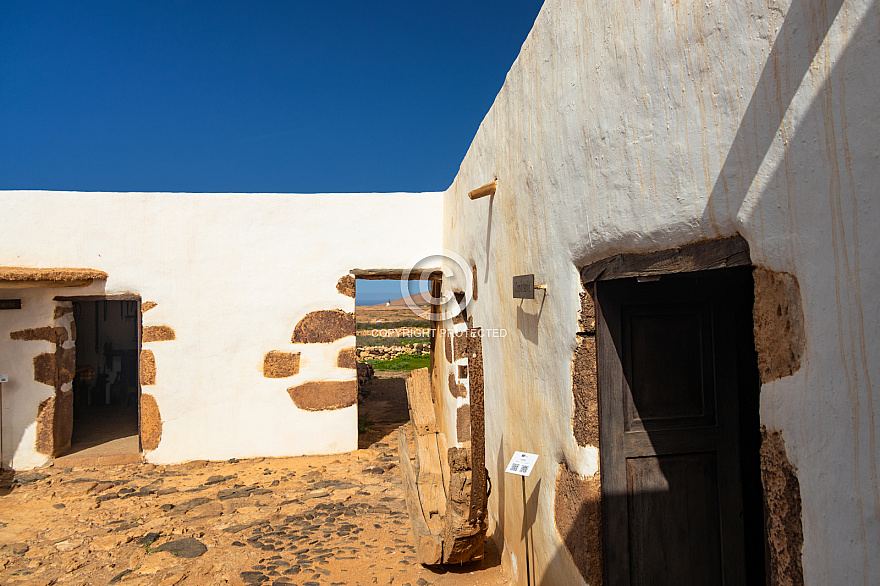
(121, 450)
(84, 460)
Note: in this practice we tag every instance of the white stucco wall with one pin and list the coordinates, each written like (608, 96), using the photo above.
(641, 126)
(232, 274)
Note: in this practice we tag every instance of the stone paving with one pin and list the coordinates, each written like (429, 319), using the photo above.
(308, 521)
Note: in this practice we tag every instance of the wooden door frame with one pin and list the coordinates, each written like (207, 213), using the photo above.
(700, 256)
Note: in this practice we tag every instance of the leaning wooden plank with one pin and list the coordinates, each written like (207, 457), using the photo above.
(430, 481)
(429, 548)
(421, 406)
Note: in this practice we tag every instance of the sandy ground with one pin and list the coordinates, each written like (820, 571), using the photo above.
(313, 520)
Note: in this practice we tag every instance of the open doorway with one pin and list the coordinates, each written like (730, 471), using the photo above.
(106, 386)
(394, 337)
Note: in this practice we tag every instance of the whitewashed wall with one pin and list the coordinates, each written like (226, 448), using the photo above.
(639, 126)
(232, 274)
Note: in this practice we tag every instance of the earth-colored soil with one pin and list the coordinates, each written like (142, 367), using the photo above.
(378, 314)
(385, 407)
(314, 520)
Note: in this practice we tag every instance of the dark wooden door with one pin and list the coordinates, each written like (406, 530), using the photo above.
(670, 446)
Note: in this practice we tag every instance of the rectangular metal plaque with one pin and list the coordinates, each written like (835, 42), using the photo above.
(522, 463)
(10, 303)
(524, 287)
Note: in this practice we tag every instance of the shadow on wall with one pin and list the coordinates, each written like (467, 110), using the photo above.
(528, 323)
(787, 64)
(498, 489)
(489, 240)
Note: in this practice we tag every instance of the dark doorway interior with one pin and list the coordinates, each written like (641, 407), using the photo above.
(106, 386)
(680, 430)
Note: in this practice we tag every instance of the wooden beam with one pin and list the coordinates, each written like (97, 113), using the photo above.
(395, 274)
(116, 297)
(699, 256)
(488, 189)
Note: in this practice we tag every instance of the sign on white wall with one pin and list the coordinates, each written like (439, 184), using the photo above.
(522, 463)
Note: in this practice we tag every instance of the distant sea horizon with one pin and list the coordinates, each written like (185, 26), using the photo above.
(374, 300)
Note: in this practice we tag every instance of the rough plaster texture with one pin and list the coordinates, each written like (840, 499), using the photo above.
(280, 364)
(577, 512)
(346, 286)
(147, 306)
(158, 334)
(324, 395)
(782, 499)
(463, 423)
(151, 423)
(628, 127)
(323, 327)
(45, 442)
(347, 358)
(459, 346)
(147, 368)
(56, 335)
(247, 269)
(584, 384)
(456, 389)
(61, 311)
(779, 324)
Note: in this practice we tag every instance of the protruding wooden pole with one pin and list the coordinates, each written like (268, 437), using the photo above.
(488, 189)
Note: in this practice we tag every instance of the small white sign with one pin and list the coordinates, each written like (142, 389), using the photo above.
(522, 463)
(4, 378)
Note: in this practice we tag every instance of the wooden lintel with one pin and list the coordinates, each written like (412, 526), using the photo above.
(488, 189)
(110, 297)
(395, 274)
(699, 256)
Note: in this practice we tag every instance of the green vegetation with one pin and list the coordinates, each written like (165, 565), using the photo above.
(376, 341)
(402, 362)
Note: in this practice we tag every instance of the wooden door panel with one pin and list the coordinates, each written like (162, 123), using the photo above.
(667, 356)
(673, 520)
(669, 431)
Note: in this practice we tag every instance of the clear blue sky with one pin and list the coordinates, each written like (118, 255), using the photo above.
(375, 292)
(302, 97)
